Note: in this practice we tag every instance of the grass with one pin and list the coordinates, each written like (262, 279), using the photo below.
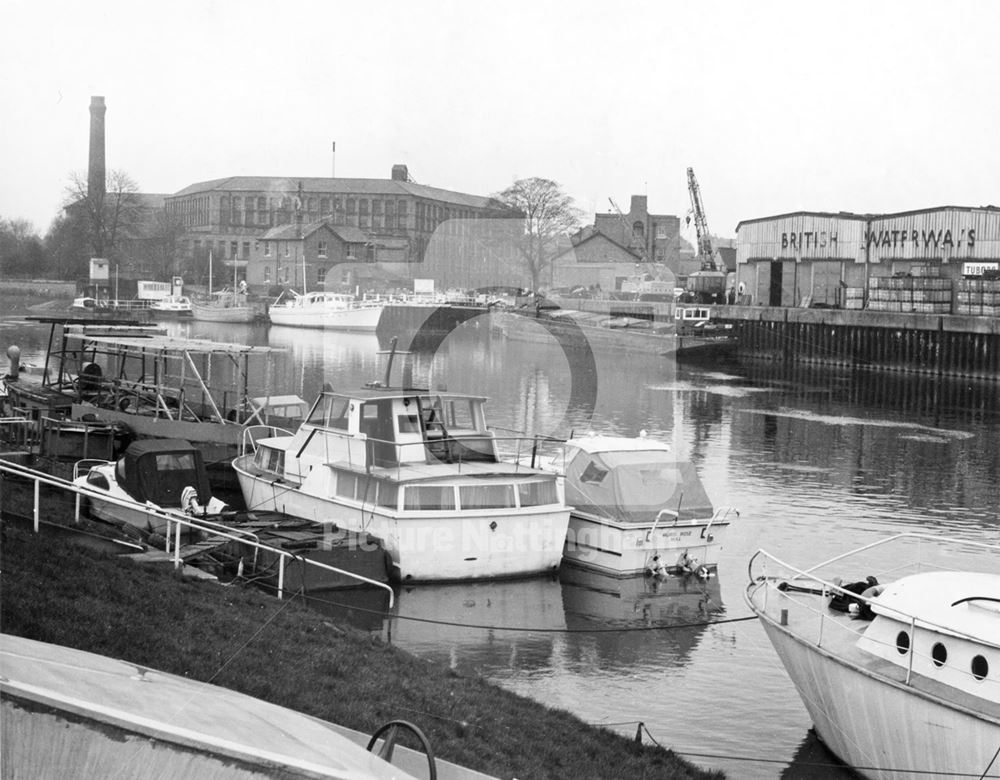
(284, 653)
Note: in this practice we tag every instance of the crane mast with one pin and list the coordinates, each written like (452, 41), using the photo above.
(705, 251)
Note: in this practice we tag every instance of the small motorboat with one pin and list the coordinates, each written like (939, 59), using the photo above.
(637, 508)
(897, 665)
(165, 475)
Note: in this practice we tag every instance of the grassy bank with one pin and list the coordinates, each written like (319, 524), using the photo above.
(282, 652)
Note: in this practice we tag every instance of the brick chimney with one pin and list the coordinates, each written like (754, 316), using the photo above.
(400, 173)
(638, 206)
(95, 170)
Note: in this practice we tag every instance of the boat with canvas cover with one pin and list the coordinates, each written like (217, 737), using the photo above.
(898, 664)
(421, 471)
(637, 508)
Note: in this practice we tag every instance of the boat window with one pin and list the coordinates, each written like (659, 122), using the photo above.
(388, 494)
(460, 415)
(429, 497)
(408, 423)
(593, 473)
(486, 496)
(980, 667)
(903, 642)
(939, 654)
(269, 459)
(172, 461)
(97, 479)
(538, 493)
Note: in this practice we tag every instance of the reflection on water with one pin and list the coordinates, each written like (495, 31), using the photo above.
(818, 462)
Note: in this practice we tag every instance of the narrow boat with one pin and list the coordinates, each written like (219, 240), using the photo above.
(339, 311)
(608, 332)
(897, 663)
(68, 713)
(421, 471)
(638, 509)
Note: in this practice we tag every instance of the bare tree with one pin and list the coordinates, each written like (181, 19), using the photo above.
(549, 214)
(111, 215)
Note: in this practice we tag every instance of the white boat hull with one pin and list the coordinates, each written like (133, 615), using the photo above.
(909, 734)
(360, 318)
(627, 548)
(239, 314)
(459, 545)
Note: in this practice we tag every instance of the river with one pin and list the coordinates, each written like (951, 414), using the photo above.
(817, 462)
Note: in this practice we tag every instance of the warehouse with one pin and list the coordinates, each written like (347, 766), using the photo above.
(928, 260)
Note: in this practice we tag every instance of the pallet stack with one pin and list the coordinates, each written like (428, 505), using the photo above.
(922, 291)
(977, 297)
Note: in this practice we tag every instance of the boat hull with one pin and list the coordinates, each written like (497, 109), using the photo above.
(237, 314)
(625, 549)
(893, 732)
(361, 318)
(462, 545)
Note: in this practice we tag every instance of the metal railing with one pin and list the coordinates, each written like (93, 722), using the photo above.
(175, 524)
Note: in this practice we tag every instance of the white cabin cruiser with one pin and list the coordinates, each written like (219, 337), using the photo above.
(637, 508)
(419, 470)
(337, 311)
(899, 671)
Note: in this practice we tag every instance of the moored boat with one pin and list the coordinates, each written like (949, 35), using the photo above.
(171, 306)
(638, 509)
(421, 471)
(898, 668)
(224, 306)
(338, 311)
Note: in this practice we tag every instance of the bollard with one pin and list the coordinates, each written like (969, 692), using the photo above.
(638, 733)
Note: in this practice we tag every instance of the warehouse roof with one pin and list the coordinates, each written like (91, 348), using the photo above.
(865, 217)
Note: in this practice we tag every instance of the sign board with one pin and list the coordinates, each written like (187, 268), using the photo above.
(976, 269)
(99, 270)
(423, 286)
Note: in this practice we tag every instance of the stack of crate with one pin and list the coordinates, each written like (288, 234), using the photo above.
(922, 291)
(854, 298)
(931, 293)
(977, 297)
(890, 293)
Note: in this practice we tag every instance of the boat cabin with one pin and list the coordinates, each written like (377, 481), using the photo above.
(158, 470)
(400, 427)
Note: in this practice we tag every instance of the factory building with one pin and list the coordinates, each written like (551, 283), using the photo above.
(919, 261)
(413, 229)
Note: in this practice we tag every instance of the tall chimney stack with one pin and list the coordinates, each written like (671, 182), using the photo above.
(95, 171)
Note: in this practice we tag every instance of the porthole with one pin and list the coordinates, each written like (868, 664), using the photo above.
(939, 654)
(980, 667)
(903, 642)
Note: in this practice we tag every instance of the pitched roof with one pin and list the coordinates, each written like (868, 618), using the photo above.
(288, 186)
(591, 237)
(290, 232)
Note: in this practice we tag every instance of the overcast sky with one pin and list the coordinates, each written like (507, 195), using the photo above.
(854, 106)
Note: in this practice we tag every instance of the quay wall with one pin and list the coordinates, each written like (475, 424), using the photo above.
(54, 288)
(941, 344)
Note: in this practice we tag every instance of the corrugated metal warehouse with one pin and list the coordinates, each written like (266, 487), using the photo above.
(858, 261)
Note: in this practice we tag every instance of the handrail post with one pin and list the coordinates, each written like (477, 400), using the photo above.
(177, 542)
(281, 576)
(38, 487)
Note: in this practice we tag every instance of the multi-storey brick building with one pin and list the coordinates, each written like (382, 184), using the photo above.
(391, 221)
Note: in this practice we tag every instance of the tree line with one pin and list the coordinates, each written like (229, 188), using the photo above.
(114, 223)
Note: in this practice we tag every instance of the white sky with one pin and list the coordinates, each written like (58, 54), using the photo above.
(854, 106)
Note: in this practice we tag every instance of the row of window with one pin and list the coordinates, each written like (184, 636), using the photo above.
(979, 666)
(384, 493)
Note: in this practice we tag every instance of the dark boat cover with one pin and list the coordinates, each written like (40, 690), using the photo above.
(158, 470)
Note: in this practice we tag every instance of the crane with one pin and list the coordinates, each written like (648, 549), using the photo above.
(709, 284)
(705, 251)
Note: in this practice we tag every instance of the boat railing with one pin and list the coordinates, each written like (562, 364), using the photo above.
(252, 434)
(20, 430)
(175, 523)
(787, 586)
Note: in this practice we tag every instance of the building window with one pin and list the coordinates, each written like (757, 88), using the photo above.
(321, 249)
(321, 275)
(324, 206)
(288, 249)
(235, 217)
(267, 249)
(246, 250)
(267, 274)
(661, 231)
